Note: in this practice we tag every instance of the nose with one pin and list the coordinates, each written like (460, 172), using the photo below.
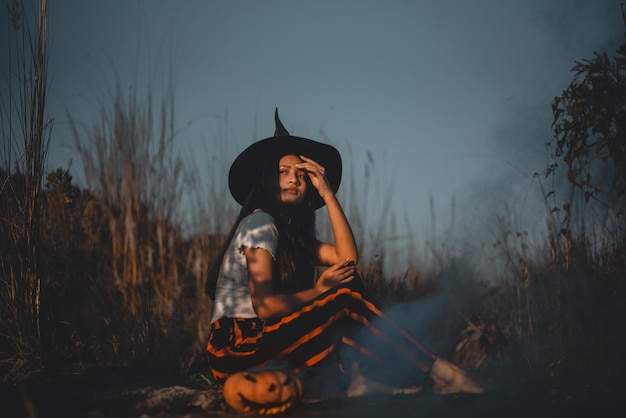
(293, 179)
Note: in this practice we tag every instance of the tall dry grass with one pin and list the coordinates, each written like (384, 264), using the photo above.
(532, 312)
(113, 273)
(553, 302)
(25, 136)
(151, 274)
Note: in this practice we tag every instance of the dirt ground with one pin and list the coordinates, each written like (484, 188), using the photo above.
(124, 393)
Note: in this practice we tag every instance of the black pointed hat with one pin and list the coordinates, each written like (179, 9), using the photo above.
(246, 165)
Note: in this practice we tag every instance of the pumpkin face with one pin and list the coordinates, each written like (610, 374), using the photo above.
(262, 392)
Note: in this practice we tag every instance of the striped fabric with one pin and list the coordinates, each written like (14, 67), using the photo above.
(340, 317)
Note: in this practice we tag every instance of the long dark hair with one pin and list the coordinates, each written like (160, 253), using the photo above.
(295, 259)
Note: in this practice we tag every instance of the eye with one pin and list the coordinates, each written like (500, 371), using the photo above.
(301, 175)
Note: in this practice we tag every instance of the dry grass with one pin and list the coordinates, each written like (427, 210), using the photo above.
(26, 135)
(153, 274)
(111, 274)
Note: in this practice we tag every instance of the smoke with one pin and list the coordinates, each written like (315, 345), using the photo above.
(509, 187)
(579, 26)
(506, 201)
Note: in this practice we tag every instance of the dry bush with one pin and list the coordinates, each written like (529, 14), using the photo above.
(150, 275)
(556, 302)
(108, 275)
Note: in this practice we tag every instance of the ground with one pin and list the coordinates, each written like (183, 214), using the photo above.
(123, 393)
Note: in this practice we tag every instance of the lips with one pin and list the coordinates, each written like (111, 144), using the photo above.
(292, 190)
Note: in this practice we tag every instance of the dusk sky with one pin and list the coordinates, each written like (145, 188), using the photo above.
(451, 98)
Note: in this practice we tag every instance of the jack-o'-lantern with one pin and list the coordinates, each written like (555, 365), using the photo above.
(262, 392)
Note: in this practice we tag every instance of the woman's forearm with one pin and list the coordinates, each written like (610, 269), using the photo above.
(268, 304)
(277, 305)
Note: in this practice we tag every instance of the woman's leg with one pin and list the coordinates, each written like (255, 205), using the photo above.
(301, 339)
(233, 345)
(336, 318)
(306, 337)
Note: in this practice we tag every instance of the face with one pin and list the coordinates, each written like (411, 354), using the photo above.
(291, 180)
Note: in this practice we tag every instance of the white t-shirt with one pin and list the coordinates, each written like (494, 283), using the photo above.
(232, 292)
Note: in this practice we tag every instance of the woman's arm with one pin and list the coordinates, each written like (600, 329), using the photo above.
(268, 304)
(344, 247)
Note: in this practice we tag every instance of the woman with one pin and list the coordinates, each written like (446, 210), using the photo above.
(268, 306)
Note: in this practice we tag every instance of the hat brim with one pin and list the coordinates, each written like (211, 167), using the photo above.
(246, 165)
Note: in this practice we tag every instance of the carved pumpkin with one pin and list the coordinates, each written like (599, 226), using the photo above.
(262, 392)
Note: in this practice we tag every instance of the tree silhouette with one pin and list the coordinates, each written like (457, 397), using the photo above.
(590, 127)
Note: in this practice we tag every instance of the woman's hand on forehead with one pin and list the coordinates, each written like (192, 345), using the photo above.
(310, 165)
(316, 173)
